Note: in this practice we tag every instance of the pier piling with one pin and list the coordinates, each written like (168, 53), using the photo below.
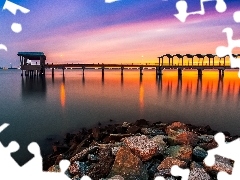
(199, 72)
(122, 68)
(179, 71)
(141, 71)
(102, 71)
(52, 71)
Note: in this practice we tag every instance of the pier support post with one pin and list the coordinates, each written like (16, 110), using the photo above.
(221, 72)
(179, 71)
(83, 69)
(26, 73)
(141, 71)
(52, 71)
(63, 68)
(102, 70)
(158, 70)
(122, 68)
(199, 72)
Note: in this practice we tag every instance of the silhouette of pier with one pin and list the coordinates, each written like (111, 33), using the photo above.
(166, 61)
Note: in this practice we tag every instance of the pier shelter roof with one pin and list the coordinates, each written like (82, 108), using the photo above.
(32, 55)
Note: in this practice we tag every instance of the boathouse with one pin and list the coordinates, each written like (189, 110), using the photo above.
(31, 69)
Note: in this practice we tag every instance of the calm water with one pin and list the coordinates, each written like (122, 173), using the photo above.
(39, 108)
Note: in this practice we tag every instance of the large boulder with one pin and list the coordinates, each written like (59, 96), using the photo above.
(160, 142)
(199, 154)
(102, 168)
(175, 127)
(183, 138)
(128, 165)
(197, 172)
(142, 146)
(183, 153)
(78, 168)
(84, 153)
(179, 134)
(165, 167)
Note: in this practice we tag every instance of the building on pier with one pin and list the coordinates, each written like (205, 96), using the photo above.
(30, 68)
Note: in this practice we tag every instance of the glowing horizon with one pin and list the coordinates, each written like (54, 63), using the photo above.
(120, 32)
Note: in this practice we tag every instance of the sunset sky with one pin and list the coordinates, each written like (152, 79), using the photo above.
(128, 31)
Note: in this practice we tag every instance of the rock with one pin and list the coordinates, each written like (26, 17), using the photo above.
(175, 127)
(78, 168)
(59, 158)
(103, 167)
(199, 154)
(152, 131)
(208, 146)
(165, 167)
(161, 144)
(92, 157)
(198, 174)
(142, 146)
(54, 168)
(110, 129)
(83, 154)
(96, 133)
(183, 153)
(205, 138)
(221, 164)
(128, 165)
(106, 139)
(80, 146)
(121, 130)
(196, 165)
(183, 138)
(142, 123)
(152, 167)
(125, 124)
(133, 129)
(118, 137)
(115, 150)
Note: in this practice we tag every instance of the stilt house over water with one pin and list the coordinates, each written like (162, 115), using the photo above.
(31, 68)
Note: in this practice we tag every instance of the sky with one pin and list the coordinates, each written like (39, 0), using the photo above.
(127, 31)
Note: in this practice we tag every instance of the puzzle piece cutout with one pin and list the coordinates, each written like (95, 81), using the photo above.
(9, 169)
(222, 51)
(236, 16)
(13, 8)
(228, 150)
(177, 171)
(182, 7)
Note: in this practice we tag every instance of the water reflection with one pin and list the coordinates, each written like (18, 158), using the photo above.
(83, 80)
(63, 94)
(159, 82)
(141, 96)
(34, 87)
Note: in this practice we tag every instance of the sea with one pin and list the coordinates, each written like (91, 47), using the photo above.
(44, 109)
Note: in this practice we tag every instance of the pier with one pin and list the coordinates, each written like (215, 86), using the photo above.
(164, 62)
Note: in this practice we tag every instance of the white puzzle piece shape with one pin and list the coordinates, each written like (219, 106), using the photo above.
(182, 7)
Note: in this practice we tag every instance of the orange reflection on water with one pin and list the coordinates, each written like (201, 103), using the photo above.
(141, 96)
(62, 95)
(209, 87)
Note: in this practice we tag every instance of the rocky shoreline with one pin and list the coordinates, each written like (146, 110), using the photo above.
(139, 151)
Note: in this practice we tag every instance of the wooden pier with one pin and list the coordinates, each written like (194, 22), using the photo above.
(162, 64)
